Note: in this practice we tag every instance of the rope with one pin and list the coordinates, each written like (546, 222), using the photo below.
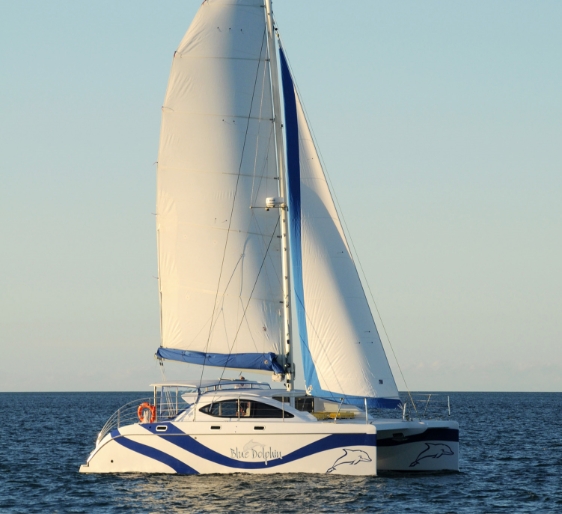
(250, 296)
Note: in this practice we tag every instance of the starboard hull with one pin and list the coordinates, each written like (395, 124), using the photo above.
(414, 446)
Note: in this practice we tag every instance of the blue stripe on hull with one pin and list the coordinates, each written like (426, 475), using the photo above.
(177, 465)
(186, 442)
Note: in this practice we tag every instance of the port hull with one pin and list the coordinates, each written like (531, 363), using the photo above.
(200, 447)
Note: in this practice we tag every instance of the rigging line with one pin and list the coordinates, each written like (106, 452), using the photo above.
(162, 370)
(255, 217)
(261, 177)
(215, 321)
(339, 211)
(274, 264)
(263, 170)
(346, 235)
(300, 300)
(233, 203)
(250, 297)
(238, 262)
(245, 318)
(239, 305)
(258, 138)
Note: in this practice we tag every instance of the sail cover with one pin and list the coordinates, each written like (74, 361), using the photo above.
(218, 248)
(343, 356)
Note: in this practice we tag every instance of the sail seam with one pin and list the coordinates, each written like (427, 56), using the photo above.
(218, 58)
(232, 230)
(255, 298)
(171, 111)
(187, 170)
(240, 5)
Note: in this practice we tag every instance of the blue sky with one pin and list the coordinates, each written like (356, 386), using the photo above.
(440, 124)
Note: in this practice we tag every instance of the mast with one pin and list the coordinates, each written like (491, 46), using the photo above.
(278, 126)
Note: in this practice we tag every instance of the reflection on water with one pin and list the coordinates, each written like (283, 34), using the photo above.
(243, 492)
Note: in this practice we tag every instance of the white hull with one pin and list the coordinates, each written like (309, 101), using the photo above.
(261, 447)
(344, 448)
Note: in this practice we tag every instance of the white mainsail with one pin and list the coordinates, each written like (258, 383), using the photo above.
(342, 352)
(218, 249)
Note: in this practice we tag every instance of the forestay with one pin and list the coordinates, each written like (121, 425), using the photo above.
(218, 249)
(342, 352)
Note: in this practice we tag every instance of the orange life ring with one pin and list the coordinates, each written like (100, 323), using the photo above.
(140, 411)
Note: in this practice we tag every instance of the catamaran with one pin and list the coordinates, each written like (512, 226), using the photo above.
(253, 260)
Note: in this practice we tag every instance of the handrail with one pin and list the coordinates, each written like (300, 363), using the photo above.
(128, 414)
(125, 414)
(437, 401)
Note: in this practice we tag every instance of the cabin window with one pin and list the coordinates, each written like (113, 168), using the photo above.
(226, 409)
(263, 410)
(304, 404)
(248, 409)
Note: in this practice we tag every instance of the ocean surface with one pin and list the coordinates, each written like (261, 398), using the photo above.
(511, 461)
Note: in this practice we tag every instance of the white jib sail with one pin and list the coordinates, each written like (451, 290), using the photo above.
(219, 258)
(345, 351)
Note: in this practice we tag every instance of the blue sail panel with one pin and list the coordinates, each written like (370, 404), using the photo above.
(259, 361)
(293, 186)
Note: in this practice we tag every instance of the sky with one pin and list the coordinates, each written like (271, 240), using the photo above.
(440, 126)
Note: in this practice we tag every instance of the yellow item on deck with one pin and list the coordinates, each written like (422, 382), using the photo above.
(332, 415)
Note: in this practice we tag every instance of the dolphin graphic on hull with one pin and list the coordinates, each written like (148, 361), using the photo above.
(351, 457)
(433, 451)
(250, 445)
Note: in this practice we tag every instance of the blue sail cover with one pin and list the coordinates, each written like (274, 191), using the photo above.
(258, 361)
(341, 350)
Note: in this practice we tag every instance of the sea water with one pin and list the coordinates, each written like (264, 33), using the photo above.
(510, 459)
